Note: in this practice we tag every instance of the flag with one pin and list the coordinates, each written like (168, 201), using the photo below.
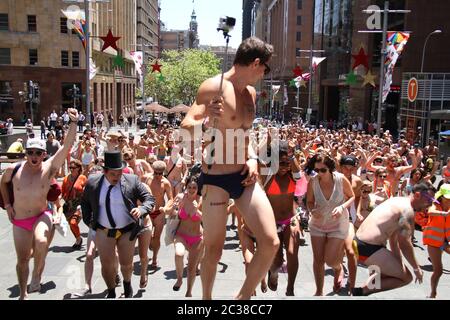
(396, 42)
(316, 61)
(138, 61)
(92, 69)
(286, 98)
(77, 21)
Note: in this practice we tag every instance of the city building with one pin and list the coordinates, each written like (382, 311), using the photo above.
(174, 39)
(148, 28)
(37, 44)
(219, 51)
(247, 18)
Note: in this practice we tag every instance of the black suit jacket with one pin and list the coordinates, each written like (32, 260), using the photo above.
(132, 191)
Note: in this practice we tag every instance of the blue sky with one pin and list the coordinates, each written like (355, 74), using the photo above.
(176, 14)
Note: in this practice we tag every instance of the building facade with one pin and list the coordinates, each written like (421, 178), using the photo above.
(148, 28)
(36, 45)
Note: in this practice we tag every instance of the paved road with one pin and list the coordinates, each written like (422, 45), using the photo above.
(64, 273)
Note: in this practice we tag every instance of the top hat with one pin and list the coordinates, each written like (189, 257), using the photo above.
(113, 161)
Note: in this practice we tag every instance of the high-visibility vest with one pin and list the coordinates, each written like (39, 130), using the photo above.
(437, 232)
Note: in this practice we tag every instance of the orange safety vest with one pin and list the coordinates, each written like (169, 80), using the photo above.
(437, 232)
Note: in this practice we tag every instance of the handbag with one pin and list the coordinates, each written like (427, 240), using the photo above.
(172, 224)
(10, 187)
(66, 206)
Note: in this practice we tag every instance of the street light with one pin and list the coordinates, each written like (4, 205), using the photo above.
(88, 55)
(425, 45)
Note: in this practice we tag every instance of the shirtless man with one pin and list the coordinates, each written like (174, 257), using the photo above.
(159, 187)
(31, 219)
(392, 220)
(177, 168)
(395, 173)
(140, 167)
(234, 109)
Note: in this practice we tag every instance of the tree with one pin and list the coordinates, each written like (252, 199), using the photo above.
(183, 73)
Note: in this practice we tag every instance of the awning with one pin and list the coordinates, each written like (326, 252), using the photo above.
(156, 107)
(181, 108)
(445, 133)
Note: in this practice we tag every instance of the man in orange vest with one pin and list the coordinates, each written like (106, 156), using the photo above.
(393, 220)
(436, 234)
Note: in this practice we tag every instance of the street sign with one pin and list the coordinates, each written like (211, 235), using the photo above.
(413, 89)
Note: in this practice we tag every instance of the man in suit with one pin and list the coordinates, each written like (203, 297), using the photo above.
(109, 206)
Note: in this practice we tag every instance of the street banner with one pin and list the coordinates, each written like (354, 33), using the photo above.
(138, 61)
(92, 69)
(396, 42)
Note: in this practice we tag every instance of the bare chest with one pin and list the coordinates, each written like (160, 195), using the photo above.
(239, 110)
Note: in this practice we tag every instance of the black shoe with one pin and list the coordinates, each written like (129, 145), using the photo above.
(77, 246)
(357, 292)
(111, 294)
(128, 290)
(118, 280)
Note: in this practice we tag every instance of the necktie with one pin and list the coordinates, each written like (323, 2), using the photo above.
(108, 207)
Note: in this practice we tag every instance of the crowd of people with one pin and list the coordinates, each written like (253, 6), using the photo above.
(360, 196)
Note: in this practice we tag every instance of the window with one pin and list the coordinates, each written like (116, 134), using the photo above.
(65, 58)
(299, 20)
(297, 52)
(33, 54)
(299, 36)
(5, 56)
(6, 98)
(63, 25)
(4, 22)
(75, 59)
(32, 25)
(299, 4)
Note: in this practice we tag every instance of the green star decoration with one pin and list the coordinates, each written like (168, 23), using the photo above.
(351, 78)
(292, 83)
(118, 61)
(161, 78)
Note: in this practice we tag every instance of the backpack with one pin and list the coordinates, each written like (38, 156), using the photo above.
(10, 187)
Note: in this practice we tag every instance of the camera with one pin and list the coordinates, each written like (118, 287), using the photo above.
(226, 24)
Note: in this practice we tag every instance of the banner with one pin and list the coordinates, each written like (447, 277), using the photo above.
(92, 69)
(138, 59)
(316, 61)
(77, 21)
(396, 42)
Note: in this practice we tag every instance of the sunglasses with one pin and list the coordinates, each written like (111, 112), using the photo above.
(156, 173)
(37, 153)
(382, 176)
(366, 191)
(267, 70)
(127, 158)
(73, 168)
(321, 170)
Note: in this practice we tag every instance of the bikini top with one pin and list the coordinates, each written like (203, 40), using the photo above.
(447, 172)
(184, 216)
(274, 188)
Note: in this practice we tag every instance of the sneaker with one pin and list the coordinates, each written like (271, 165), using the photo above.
(118, 280)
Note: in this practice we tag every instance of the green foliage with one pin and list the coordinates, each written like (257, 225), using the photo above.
(183, 72)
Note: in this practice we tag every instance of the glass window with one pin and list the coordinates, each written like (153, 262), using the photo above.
(299, 20)
(33, 55)
(32, 25)
(75, 59)
(299, 36)
(5, 56)
(4, 22)
(63, 25)
(6, 99)
(65, 58)
(299, 4)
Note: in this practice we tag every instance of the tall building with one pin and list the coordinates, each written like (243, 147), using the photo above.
(113, 88)
(148, 28)
(247, 8)
(37, 44)
(289, 30)
(174, 40)
(193, 32)
(219, 51)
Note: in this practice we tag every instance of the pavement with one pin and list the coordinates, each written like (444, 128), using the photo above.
(64, 273)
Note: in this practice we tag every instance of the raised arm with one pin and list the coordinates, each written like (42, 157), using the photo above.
(60, 156)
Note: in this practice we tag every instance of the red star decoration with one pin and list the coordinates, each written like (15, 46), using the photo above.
(297, 71)
(110, 41)
(264, 95)
(156, 67)
(361, 59)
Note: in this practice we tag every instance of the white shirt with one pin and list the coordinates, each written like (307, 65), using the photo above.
(118, 209)
(53, 116)
(65, 117)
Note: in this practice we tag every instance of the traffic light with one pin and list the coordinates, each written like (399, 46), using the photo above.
(37, 93)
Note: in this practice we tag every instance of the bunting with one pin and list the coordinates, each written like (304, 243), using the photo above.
(396, 43)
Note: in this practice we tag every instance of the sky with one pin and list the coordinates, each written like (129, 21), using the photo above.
(176, 15)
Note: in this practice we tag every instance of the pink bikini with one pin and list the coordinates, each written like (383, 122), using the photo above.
(190, 240)
(28, 223)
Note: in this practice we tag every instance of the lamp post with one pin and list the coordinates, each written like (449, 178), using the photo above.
(88, 53)
(426, 137)
(425, 45)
